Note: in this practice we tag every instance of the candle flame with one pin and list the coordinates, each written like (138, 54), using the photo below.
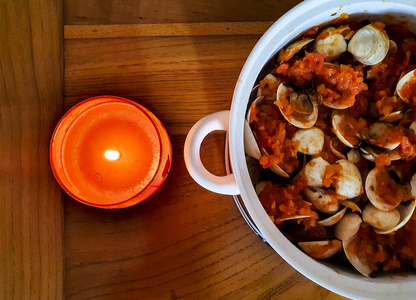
(112, 154)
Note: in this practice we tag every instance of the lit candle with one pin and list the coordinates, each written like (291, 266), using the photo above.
(110, 152)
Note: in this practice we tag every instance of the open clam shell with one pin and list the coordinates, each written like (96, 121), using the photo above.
(253, 105)
(340, 127)
(369, 45)
(322, 199)
(321, 249)
(332, 220)
(359, 263)
(380, 219)
(268, 87)
(406, 86)
(309, 141)
(251, 147)
(292, 49)
(372, 183)
(298, 108)
(348, 226)
(370, 153)
(331, 42)
(377, 134)
(406, 211)
(350, 182)
(392, 117)
(314, 171)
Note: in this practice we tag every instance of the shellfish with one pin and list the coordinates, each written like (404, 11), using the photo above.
(369, 45)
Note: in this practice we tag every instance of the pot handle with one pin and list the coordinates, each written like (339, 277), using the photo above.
(219, 184)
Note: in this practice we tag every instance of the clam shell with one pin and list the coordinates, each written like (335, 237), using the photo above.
(371, 154)
(321, 249)
(314, 171)
(337, 153)
(351, 205)
(255, 103)
(358, 263)
(251, 147)
(333, 44)
(333, 219)
(406, 211)
(309, 141)
(273, 84)
(350, 184)
(378, 130)
(392, 117)
(292, 49)
(276, 169)
(337, 120)
(348, 226)
(410, 76)
(383, 220)
(322, 200)
(375, 199)
(354, 156)
(304, 110)
(369, 45)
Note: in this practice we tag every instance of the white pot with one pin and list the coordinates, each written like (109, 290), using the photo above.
(307, 14)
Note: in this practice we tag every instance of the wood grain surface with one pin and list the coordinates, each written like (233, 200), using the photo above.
(31, 102)
(181, 60)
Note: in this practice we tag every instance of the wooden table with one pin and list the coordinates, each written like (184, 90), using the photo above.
(181, 60)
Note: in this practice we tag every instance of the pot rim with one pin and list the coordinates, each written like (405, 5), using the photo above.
(303, 16)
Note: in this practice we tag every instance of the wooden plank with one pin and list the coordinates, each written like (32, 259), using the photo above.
(31, 72)
(93, 12)
(182, 243)
(180, 79)
(176, 29)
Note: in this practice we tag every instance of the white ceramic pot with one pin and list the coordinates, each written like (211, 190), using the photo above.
(344, 281)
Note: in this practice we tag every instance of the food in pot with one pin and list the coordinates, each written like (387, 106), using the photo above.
(333, 128)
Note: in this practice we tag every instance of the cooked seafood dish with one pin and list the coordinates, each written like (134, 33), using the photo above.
(330, 141)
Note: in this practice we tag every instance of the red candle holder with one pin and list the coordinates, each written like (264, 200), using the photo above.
(110, 152)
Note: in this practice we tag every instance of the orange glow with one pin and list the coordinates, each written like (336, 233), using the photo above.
(107, 152)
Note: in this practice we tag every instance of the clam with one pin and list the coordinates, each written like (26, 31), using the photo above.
(348, 226)
(392, 47)
(253, 106)
(254, 168)
(260, 186)
(333, 219)
(292, 49)
(298, 107)
(380, 219)
(359, 263)
(392, 117)
(369, 45)
(406, 87)
(370, 153)
(309, 141)
(276, 169)
(342, 127)
(354, 156)
(314, 171)
(350, 183)
(268, 87)
(406, 212)
(323, 200)
(384, 202)
(251, 147)
(377, 134)
(351, 204)
(333, 143)
(331, 42)
(321, 249)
